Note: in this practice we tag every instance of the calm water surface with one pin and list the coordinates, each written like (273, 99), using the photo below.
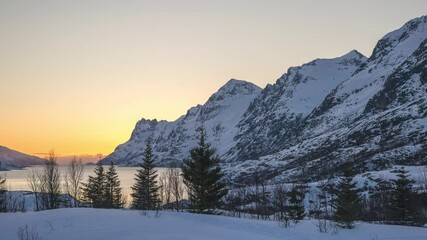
(17, 179)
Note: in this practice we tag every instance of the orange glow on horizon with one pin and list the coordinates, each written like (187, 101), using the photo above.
(76, 76)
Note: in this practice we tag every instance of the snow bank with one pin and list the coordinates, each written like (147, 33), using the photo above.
(125, 224)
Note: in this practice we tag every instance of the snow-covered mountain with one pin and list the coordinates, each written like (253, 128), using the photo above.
(273, 118)
(173, 140)
(11, 159)
(374, 119)
(316, 120)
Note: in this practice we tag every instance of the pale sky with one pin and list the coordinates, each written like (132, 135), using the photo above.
(75, 76)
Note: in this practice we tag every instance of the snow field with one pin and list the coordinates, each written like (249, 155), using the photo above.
(106, 224)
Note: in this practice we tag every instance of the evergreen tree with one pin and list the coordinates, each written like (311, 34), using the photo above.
(347, 201)
(295, 205)
(202, 176)
(93, 190)
(401, 201)
(145, 190)
(112, 189)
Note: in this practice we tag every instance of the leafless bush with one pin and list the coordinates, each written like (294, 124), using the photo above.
(422, 179)
(46, 184)
(73, 178)
(27, 233)
(34, 182)
(3, 199)
(171, 190)
(164, 190)
(280, 200)
(15, 202)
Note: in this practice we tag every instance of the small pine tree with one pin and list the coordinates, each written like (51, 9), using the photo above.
(347, 201)
(401, 201)
(93, 190)
(203, 177)
(295, 205)
(112, 189)
(145, 190)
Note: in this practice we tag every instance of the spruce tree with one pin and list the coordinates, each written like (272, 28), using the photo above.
(295, 206)
(347, 201)
(402, 212)
(93, 190)
(203, 177)
(145, 190)
(112, 189)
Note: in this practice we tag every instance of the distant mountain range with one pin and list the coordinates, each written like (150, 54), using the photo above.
(11, 159)
(316, 120)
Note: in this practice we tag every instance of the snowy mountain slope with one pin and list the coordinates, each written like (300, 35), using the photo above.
(375, 119)
(11, 159)
(279, 110)
(173, 140)
(316, 120)
(350, 98)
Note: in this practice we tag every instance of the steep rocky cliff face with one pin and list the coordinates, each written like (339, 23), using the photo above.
(173, 140)
(276, 116)
(374, 119)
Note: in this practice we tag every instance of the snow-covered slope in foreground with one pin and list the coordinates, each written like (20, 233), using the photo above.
(104, 224)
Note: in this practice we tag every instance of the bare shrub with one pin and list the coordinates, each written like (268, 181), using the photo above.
(27, 233)
(73, 178)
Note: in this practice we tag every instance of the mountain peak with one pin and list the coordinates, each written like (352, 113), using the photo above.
(235, 87)
(402, 41)
(353, 54)
(235, 84)
(321, 67)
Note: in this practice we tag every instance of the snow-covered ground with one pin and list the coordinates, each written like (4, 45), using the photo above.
(126, 224)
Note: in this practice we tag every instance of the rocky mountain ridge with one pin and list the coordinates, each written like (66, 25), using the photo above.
(316, 120)
(173, 140)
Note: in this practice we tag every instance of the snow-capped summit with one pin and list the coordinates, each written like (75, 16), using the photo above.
(375, 118)
(351, 97)
(279, 109)
(173, 140)
(401, 42)
(235, 87)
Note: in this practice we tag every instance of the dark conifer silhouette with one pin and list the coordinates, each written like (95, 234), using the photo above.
(112, 189)
(203, 177)
(145, 190)
(347, 201)
(93, 190)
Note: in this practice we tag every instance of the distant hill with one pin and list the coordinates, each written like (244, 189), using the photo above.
(11, 159)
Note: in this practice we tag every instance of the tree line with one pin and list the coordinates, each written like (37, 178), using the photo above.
(332, 203)
(200, 177)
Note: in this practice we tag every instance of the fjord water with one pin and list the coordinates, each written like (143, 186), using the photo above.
(17, 179)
